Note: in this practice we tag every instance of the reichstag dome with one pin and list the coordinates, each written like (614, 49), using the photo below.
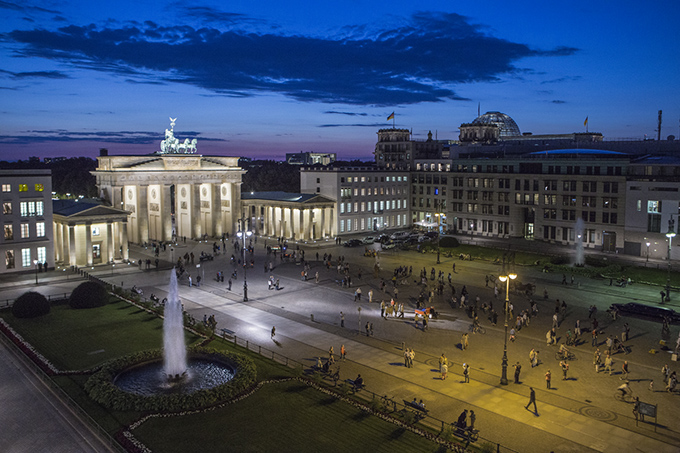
(506, 125)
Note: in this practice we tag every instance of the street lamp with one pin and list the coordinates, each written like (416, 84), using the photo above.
(243, 234)
(35, 263)
(439, 226)
(648, 244)
(670, 235)
(506, 278)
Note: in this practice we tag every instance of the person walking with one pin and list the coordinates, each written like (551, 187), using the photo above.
(367, 329)
(565, 369)
(370, 296)
(444, 370)
(342, 319)
(518, 369)
(331, 355)
(624, 371)
(466, 373)
(273, 332)
(608, 364)
(532, 400)
(370, 328)
(594, 334)
(547, 379)
(597, 360)
(464, 340)
(532, 356)
(406, 358)
(442, 361)
(343, 352)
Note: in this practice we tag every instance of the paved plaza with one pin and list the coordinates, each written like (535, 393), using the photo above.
(577, 414)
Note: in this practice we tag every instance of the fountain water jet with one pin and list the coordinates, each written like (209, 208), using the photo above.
(174, 348)
(579, 242)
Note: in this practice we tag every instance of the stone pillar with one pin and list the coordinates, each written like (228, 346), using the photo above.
(88, 243)
(72, 245)
(116, 197)
(301, 222)
(256, 219)
(65, 257)
(166, 212)
(143, 213)
(57, 243)
(124, 244)
(308, 224)
(235, 204)
(324, 227)
(332, 222)
(196, 220)
(109, 241)
(275, 223)
(216, 210)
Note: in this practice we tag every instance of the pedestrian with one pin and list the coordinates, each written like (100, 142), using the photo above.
(190, 281)
(594, 334)
(331, 355)
(636, 410)
(548, 338)
(411, 356)
(473, 418)
(610, 344)
(625, 332)
(316, 276)
(597, 360)
(342, 319)
(406, 358)
(624, 371)
(518, 369)
(273, 332)
(367, 329)
(565, 368)
(343, 352)
(229, 287)
(532, 357)
(532, 400)
(608, 362)
(444, 370)
(466, 373)
(547, 379)
(198, 281)
(442, 361)
(464, 341)
(382, 309)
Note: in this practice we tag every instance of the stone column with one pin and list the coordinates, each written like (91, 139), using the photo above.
(116, 197)
(308, 224)
(88, 243)
(216, 210)
(235, 204)
(65, 257)
(57, 243)
(332, 222)
(323, 223)
(166, 212)
(124, 244)
(196, 219)
(109, 241)
(143, 213)
(301, 225)
(72, 244)
(275, 223)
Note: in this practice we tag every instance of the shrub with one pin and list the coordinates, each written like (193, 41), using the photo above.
(559, 259)
(89, 295)
(30, 305)
(448, 241)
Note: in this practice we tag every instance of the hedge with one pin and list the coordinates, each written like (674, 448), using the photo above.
(30, 305)
(89, 295)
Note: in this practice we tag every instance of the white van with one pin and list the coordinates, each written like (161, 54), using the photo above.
(400, 236)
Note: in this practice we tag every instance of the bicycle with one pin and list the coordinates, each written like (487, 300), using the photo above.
(568, 355)
(477, 329)
(626, 397)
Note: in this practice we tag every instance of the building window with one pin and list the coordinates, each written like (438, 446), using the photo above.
(9, 259)
(7, 188)
(23, 187)
(24, 230)
(7, 208)
(39, 187)
(653, 206)
(26, 258)
(40, 229)
(23, 208)
(31, 208)
(42, 254)
(342, 225)
(9, 232)
(95, 231)
(653, 223)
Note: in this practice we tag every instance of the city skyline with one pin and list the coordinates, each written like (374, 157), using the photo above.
(260, 80)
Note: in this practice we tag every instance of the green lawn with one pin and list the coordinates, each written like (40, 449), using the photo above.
(283, 417)
(81, 339)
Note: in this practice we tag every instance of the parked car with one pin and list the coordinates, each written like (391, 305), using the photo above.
(383, 239)
(634, 308)
(400, 236)
(368, 240)
(353, 243)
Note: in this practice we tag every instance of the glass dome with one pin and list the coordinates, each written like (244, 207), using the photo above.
(506, 125)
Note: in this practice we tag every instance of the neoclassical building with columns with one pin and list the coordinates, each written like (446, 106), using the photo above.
(172, 195)
(296, 216)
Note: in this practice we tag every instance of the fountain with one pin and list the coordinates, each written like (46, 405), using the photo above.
(579, 242)
(174, 349)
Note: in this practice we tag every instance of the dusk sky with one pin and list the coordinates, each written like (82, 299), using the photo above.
(262, 78)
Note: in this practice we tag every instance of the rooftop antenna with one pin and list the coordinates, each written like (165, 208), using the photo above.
(658, 130)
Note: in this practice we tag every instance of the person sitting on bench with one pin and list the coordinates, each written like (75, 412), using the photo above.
(358, 382)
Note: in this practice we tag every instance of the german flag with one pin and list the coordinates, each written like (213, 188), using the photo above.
(391, 117)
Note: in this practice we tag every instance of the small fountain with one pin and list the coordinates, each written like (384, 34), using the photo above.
(174, 349)
(579, 229)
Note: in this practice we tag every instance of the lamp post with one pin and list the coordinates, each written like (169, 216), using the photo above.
(243, 234)
(647, 261)
(670, 235)
(506, 278)
(35, 263)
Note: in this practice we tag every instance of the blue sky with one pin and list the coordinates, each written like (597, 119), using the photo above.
(260, 79)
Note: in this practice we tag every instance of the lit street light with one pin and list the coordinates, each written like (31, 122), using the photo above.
(670, 235)
(506, 278)
(243, 234)
(648, 244)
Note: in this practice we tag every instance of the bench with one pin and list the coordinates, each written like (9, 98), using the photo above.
(416, 406)
(227, 333)
(354, 386)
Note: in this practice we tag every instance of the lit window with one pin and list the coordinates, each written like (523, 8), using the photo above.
(9, 232)
(95, 231)
(42, 254)
(39, 187)
(23, 187)
(24, 230)
(26, 258)
(23, 208)
(653, 206)
(7, 188)
(40, 229)
(39, 209)
(31, 208)
(7, 208)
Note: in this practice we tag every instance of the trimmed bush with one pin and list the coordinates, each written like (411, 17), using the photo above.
(448, 241)
(559, 259)
(89, 295)
(30, 305)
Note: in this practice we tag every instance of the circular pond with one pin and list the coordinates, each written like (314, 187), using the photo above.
(150, 379)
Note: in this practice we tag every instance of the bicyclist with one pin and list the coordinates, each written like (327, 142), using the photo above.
(475, 324)
(563, 351)
(625, 389)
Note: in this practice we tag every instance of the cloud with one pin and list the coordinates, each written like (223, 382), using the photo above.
(122, 137)
(25, 8)
(372, 125)
(558, 101)
(35, 75)
(333, 112)
(421, 60)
